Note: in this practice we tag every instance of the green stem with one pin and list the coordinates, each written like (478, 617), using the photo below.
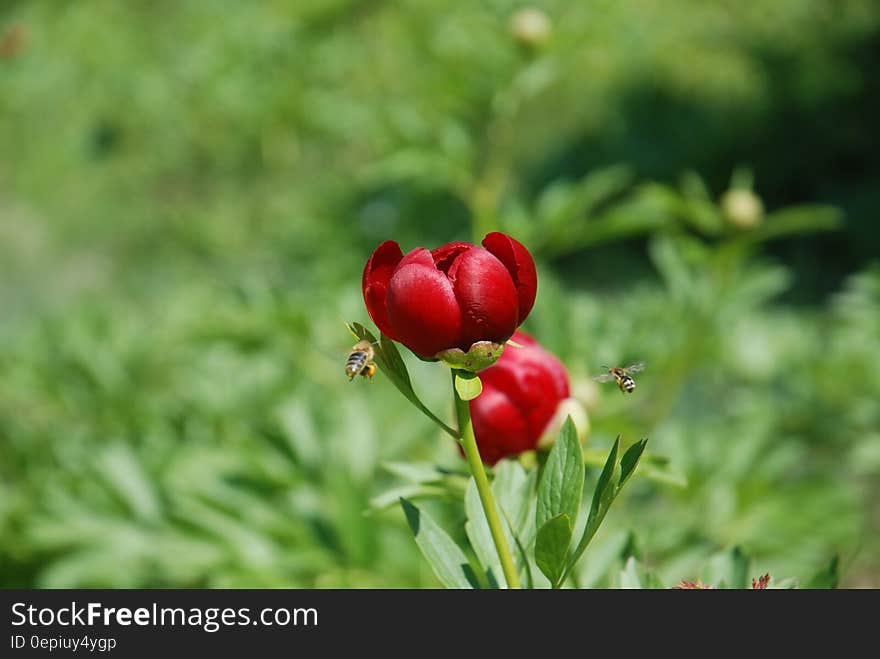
(472, 454)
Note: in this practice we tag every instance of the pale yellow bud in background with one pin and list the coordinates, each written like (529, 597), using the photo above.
(530, 26)
(569, 407)
(742, 208)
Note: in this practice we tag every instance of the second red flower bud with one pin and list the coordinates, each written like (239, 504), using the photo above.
(524, 401)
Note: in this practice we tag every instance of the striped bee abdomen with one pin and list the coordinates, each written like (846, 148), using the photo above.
(360, 361)
(356, 363)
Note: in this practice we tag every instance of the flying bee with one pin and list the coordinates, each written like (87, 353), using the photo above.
(622, 375)
(360, 361)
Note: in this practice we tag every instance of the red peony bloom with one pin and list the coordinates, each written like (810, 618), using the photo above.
(452, 296)
(521, 395)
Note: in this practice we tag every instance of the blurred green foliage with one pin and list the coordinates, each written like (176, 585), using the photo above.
(189, 190)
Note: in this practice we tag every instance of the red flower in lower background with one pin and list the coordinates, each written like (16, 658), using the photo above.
(522, 393)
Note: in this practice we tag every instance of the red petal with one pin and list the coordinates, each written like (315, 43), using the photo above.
(532, 353)
(446, 254)
(533, 379)
(486, 295)
(374, 284)
(422, 306)
(519, 264)
(499, 426)
(531, 388)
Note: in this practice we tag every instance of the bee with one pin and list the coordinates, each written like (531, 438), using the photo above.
(622, 375)
(360, 361)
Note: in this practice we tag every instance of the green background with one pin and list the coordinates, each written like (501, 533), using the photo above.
(189, 191)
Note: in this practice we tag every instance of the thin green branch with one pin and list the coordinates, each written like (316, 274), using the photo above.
(472, 454)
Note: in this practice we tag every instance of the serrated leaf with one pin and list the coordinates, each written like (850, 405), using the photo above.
(551, 547)
(562, 483)
(827, 577)
(445, 557)
(468, 388)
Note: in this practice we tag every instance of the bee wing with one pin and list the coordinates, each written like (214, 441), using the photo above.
(635, 367)
(604, 377)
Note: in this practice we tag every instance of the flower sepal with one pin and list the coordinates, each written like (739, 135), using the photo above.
(480, 355)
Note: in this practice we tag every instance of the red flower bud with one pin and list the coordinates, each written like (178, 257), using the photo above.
(452, 296)
(521, 393)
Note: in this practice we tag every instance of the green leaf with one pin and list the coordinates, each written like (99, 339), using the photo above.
(125, 475)
(393, 367)
(523, 559)
(785, 584)
(827, 577)
(512, 487)
(562, 483)
(468, 386)
(651, 581)
(642, 212)
(416, 472)
(604, 492)
(444, 556)
(795, 220)
(654, 468)
(551, 547)
(634, 575)
(477, 530)
(614, 475)
(630, 461)
(629, 576)
(411, 491)
(631, 547)
(666, 254)
(562, 204)
(729, 569)
(696, 205)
